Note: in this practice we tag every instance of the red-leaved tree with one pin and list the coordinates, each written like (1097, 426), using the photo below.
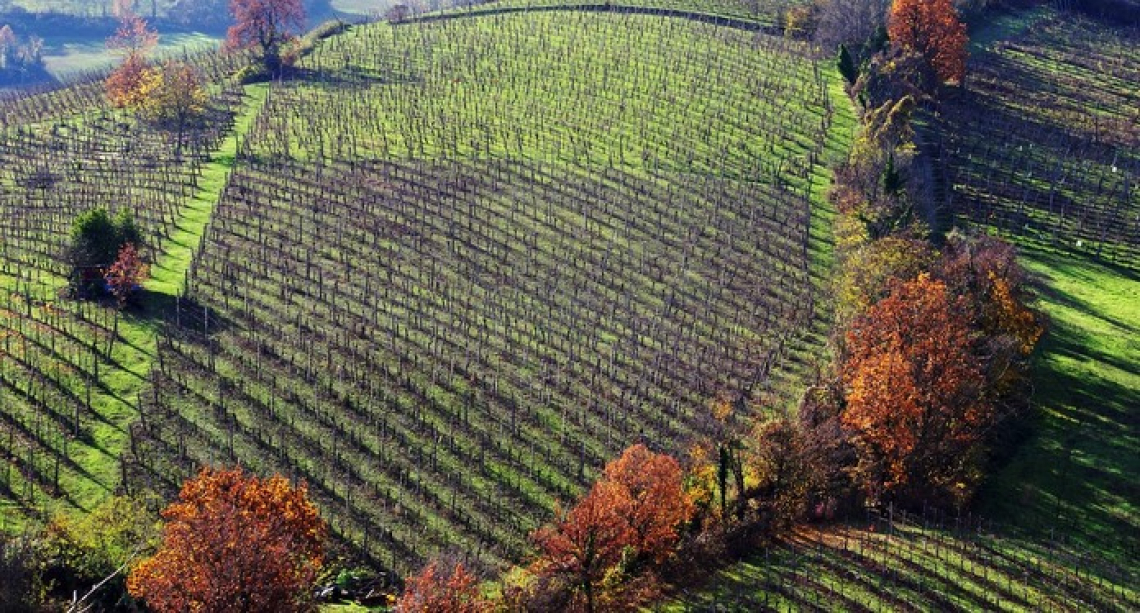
(265, 25)
(234, 542)
(916, 410)
(442, 588)
(588, 542)
(933, 30)
(628, 523)
(127, 273)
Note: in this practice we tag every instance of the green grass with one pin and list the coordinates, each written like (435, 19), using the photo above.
(68, 56)
(1076, 476)
(168, 273)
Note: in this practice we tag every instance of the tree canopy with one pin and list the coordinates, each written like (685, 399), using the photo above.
(933, 30)
(234, 542)
(265, 25)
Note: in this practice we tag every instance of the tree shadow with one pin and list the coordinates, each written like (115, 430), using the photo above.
(349, 77)
(174, 314)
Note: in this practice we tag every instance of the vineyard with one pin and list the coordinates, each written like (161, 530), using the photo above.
(449, 267)
(65, 365)
(760, 11)
(1041, 148)
(933, 562)
(443, 286)
(1062, 96)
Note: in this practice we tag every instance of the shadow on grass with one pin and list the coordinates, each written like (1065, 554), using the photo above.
(1074, 479)
(173, 314)
(351, 77)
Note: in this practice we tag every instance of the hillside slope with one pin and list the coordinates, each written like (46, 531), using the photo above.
(452, 268)
(1050, 163)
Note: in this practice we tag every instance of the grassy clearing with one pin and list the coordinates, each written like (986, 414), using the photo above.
(67, 56)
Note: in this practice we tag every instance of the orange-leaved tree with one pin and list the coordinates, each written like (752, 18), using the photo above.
(933, 30)
(659, 505)
(629, 520)
(442, 588)
(133, 40)
(234, 542)
(587, 543)
(265, 25)
(916, 409)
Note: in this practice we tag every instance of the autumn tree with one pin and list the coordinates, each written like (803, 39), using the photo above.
(870, 269)
(133, 40)
(587, 543)
(442, 588)
(265, 25)
(916, 411)
(717, 464)
(173, 96)
(659, 505)
(933, 30)
(985, 272)
(784, 474)
(855, 24)
(127, 274)
(234, 542)
(627, 524)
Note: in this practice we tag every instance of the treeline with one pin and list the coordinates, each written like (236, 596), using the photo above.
(21, 58)
(101, 20)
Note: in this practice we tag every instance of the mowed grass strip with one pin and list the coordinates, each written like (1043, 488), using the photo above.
(62, 465)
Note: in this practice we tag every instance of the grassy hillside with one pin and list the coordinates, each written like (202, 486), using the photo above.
(70, 371)
(489, 271)
(448, 271)
(1049, 162)
(761, 11)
